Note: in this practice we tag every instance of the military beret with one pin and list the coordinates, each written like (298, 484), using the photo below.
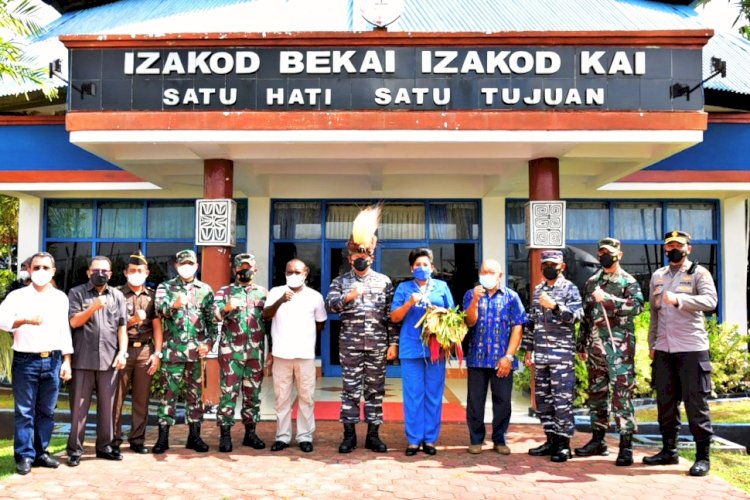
(244, 257)
(678, 236)
(552, 256)
(611, 245)
(186, 256)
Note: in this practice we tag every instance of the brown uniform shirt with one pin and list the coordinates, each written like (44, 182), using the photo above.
(143, 301)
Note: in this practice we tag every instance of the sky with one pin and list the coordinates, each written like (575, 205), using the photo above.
(719, 14)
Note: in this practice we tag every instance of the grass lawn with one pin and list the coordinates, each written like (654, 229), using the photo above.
(722, 412)
(731, 467)
(8, 462)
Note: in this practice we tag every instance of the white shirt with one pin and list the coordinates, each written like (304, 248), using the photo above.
(52, 305)
(293, 328)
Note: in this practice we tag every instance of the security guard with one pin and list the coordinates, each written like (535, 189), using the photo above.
(680, 293)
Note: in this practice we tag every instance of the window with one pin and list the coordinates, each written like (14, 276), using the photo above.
(70, 219)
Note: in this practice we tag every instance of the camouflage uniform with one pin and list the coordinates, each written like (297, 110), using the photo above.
(611, 362)
(365, 335)
(241, 351)
(184, 329)
(550, 335)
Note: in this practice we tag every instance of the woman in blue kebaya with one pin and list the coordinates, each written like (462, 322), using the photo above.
(423, 381)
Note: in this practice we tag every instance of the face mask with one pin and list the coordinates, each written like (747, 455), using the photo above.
(295, 280)
(607, 260)
(422, 273)
(136, 279)
(675, 255)
(24, 275)
(99, 279)
(488, 281)
(245, 275)
(360, 264)
(41, 277)
(187, 271)
(551, 273)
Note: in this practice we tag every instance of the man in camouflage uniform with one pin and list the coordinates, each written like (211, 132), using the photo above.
(611, 301)
(362, 298)
(241, 349)
(550, 346)
(185, 305)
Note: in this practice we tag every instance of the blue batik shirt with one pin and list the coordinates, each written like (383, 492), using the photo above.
(496, 317)
(410, 341)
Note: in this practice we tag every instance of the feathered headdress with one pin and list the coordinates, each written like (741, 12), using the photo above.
(363, 239)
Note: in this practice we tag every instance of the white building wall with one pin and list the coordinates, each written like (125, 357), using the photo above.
(29, 225)
(734, 261)
(258, 236)
(493, 230)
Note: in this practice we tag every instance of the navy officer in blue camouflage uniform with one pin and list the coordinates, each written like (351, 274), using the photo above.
(549, 342)
(362, 297)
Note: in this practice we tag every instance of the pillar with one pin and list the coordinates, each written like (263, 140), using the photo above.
(734, 261)
(29, 226)
(218, 182)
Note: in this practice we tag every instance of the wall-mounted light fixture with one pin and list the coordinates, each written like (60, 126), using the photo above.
(719, 67)
(87, 88)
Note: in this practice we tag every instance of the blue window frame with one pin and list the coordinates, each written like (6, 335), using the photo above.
(640, 226)
(74, 230)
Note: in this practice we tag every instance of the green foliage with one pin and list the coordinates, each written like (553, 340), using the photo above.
(582, 383)
(6, 355)
(522, 376)
(729, 358)
(643, 383)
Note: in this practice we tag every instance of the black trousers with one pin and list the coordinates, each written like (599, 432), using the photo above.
(686, 377)
(478, 380)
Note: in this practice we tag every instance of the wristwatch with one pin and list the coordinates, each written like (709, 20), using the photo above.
(125, 355)
(159, 354)
(509, 357)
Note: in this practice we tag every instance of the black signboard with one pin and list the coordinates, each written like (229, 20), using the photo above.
(391, 78)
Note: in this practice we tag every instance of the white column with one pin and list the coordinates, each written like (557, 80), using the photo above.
(29, 226)
(493, 230)
(258, 236)
(734, 261)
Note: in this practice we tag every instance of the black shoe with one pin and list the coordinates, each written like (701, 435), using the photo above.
(251, 439)
(373, 441)
(411, 451)
(562, 450)
(108, 454)
(306, 446)
(349, 443)
(281, 445)
(668, 454)
(23, 466)
(74, 460)
(702, 459)
(194, 441)
(139, 448)
(625, 456)
(546, 448)
(225, 440)
(429, 449)
(44, 460)
(597, 445)
(116, 449)
(162, 442)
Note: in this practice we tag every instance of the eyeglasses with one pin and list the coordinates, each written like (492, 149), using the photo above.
(101, 271)
(39, 268)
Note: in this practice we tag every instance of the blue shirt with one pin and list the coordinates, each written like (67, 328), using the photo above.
(410, 341)
(496, 317)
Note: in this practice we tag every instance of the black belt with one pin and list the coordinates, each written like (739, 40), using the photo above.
(37, 355)
(138, 343)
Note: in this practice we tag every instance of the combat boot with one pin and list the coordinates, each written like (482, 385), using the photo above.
(162, 442)
(373, 442)
(251, 439)
(349, 443)
(546, 448)
(702, 459)
(562, 450)
(625, 456)
(668, 454)
(225, 441)
(194, 441)
(597, 445)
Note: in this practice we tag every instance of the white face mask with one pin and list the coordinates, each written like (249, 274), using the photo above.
(136, 279)
(41, 277)
(295, 280)
(187, 271)
(488, 281)
(24, 275)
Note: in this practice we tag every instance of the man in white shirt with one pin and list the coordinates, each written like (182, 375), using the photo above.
(38, 317)
(298, 313)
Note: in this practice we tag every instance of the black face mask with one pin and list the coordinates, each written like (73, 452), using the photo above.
(245, 275)
(675, 255)
(551, 273)
(360, 264)
(99, 279)
(607, 260)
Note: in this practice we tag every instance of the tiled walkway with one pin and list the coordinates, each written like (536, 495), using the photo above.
(452, 473)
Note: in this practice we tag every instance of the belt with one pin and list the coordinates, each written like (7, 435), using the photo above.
(41, 355)
(138, 343)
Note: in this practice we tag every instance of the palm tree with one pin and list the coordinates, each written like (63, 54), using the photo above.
(17, 23)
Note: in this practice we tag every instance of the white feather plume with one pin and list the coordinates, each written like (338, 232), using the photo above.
(365, 225)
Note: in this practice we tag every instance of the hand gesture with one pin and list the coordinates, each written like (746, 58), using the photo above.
(178, 303)
(599, 295)
(479, 291)
(357, 290)
(34, 320)
(153, 364)
(670, 298)
(120, 361)
(65, 371)
(141, 314)
(203, 350)
(546, 301)
(288, 295)
(504, 367)
(392, 352)
(528, 359)
(415, 298)
(99, 303)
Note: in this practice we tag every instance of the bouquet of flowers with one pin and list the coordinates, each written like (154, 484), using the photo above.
(442, 331)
